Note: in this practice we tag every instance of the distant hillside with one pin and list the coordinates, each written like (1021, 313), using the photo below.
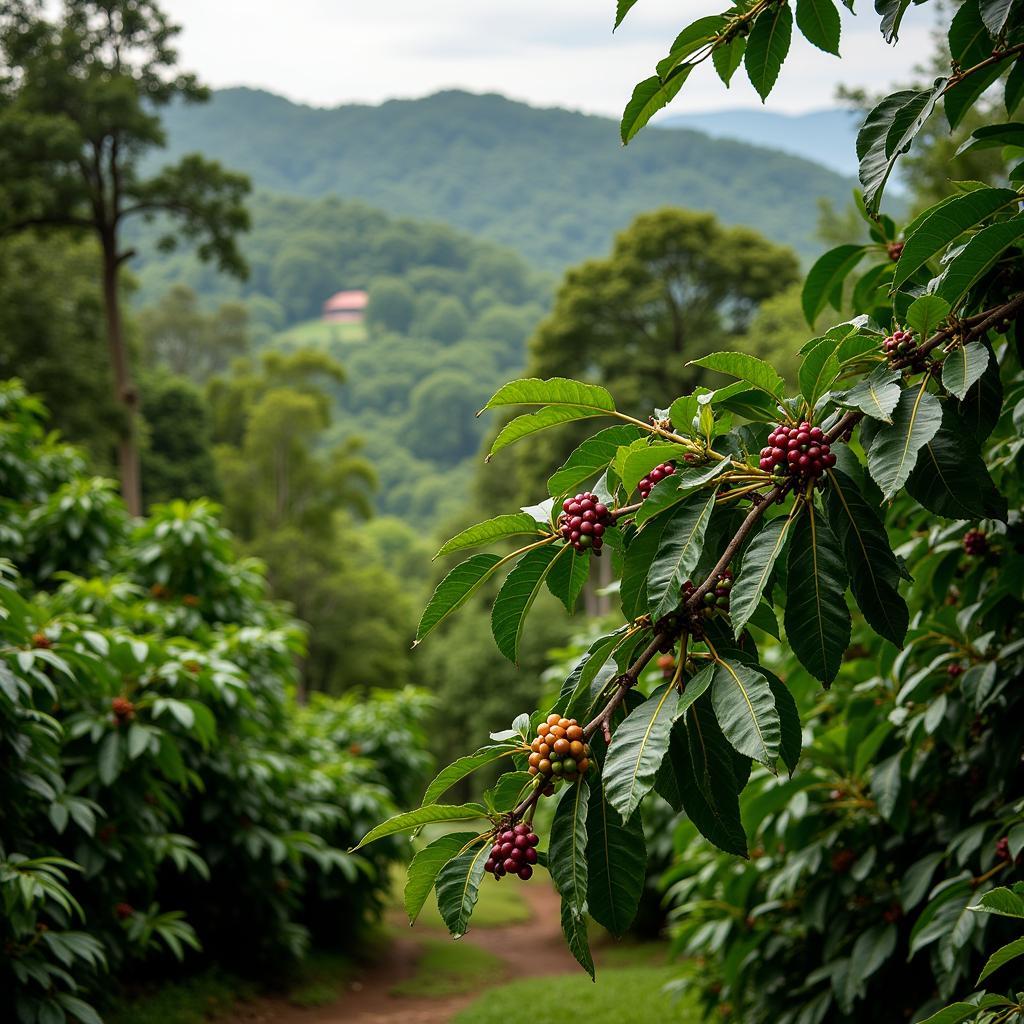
(825, 136)
(553, 184)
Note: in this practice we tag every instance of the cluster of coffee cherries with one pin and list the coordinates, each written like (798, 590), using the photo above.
(583, 522)
(559, 749)
(124, 710)
(975, 543)
(658, 473)
(514, 852)
(717, 596)
(899, 343)
(801, 452)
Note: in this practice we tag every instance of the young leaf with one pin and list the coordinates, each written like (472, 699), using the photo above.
(818, 20)
(925, 314)
(1002, 956)
(591, 457)
(682, 541)
(455, 589)
(817, 619)
(458, 886)
(516, 524)
(532, 422)
(508, 791)
(745, 709)
(569, 576)
(567, 851)
(574, 928)
(747, 367)
(755, 569)
(828, 274)
(894, 450)
(422, 816)
(516, 597)
(874, 571)
(554, 391)
(876, 395)
(767, 47)
(616, 864)
(963, 367)
(818, 369)
(979, 253)
(637, 749)
(426, 864)
(727, 57)
(649, 96)
(464, 766)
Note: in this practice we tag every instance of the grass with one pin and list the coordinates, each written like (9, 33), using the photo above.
(449, 968)
(620, 995)
(193, 1001)
(320, 979)
(317, 334)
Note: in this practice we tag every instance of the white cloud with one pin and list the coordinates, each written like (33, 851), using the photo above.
(328, 52)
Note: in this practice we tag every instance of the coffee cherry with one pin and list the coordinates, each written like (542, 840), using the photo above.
(123, 911)
(667, 664)
(1003, 848)
(800, 452)
(583, 522)
(658, 473)
(563, 752)
(41, 641)
(842, 861)
(895, 250)
(954, 669)
(898, 344)
(975, 543)
(124, 710)
(514, 852)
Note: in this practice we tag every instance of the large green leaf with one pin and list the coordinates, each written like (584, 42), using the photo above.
(682, 541)
(516, 597)
(455, 589)
(979, 253)
(727, 58)
(553, 391)
(426, 864)
(876, 395)
(827, 274)
(755, 569)
(818, 369)
(574, 928)
(874, 571)
(943, 224)
(591, 457)
(1002, 956)
(767, 47)
(1002, 901)
(980, 409)
(421, 816)
(637, 464)
(516, 524)
(925, 314)
(818, 20)
(616, 864)
(791, 742)
(637, 748)
(963, 367)
(458, 886)
(636, 564)
(895, 447)
(817, 619)
(462, 767)
(649, 96)
(577, 683)
(531, 422)
(567, 851)
(745, 709)
(673, 489)
(951, 478)
(747, 367)
(568, 576)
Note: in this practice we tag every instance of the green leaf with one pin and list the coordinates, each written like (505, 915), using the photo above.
(679, 550)
(818, 369)
(1002, 901)
(568, 576)
(980, 409)
(767, 47)
(963, 367)
(616, 864)
(458, 886)
(693, 38)
(955, 1013)
(943, 223)
(491, 530)
(892, 12)
(426, 864)
(622, 8)
(422, 816)
(590, 458)
(755, 569)
(818, 20)
(876, 395)
(462, 767)
(638, 464)
(925, 314)
(507, 792)
(586, 669)
(827, 274)
(894, 450)
(727, 58)
(980, 252)
(874, 571)
(455, 589)
(664, 495)
(649, 96)
(555, 391)
(745, 709)
(951, 478)
(637, 748)
(994, 14)
(1014, 87)
(747, 367)
(817, 619)
(1002, 956)
(791, 741)
(574, 928)
(110, 757)
(636, 564)
(516, 597)
(917, 879)
(532, 422)
(567, 850)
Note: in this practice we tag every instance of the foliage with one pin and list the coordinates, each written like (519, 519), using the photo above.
(161, 792)
(913, 404)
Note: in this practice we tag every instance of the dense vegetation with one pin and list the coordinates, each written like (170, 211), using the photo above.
(448, 157)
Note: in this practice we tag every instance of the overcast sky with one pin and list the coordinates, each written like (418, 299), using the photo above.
(547, 52)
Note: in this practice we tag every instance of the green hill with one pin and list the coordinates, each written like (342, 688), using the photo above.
(552, 184)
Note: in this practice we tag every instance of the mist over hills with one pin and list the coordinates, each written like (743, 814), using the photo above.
(553, 184)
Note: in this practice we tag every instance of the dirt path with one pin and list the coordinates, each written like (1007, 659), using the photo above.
(530, 949)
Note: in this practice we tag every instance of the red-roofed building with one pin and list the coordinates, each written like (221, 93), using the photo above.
(345, 307)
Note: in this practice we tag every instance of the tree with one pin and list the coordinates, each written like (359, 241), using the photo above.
(447, 321)
(391, 305)
(79, 102)
(675, 285)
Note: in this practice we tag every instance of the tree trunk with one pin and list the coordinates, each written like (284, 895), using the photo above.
(124, 386)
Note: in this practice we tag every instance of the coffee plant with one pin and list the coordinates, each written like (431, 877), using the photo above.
(878, 509)
(160, 792)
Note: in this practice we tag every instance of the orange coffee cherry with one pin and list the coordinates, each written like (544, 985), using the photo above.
(564, 723)
(544, 767)
(562, 746)
(554, 719)
(535, 760)
(576, 749)
(573, 732)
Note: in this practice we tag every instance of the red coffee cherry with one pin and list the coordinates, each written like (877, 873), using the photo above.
(658, 473)
(975, 543)
(124, 710)
(800, 453)
(583, 522)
